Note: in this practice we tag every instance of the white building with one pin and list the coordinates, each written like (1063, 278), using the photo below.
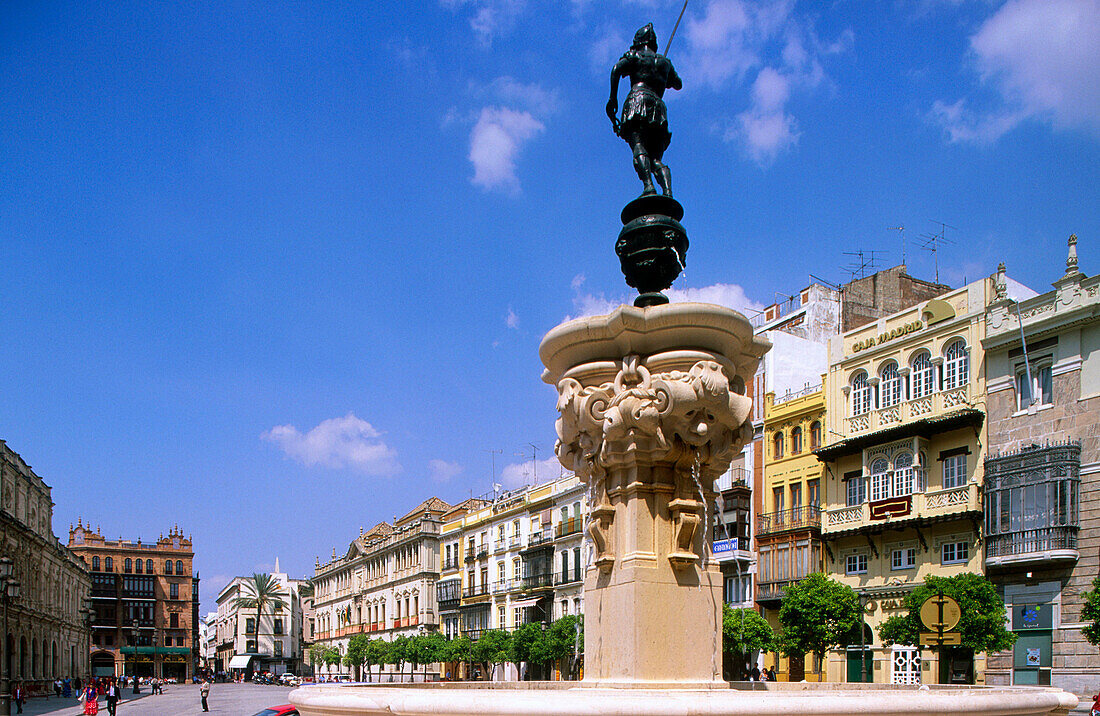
(276, 646)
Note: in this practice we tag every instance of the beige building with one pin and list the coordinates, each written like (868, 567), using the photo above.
(47, 633)
(145, 600)
(902, 492)
(1042, 487)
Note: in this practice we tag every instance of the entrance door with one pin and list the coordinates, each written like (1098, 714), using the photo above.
(906, 665)
(103, 665)
(860, 657)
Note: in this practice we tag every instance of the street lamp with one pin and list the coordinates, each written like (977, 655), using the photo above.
(862, 637)
(134, 632)
(9, 590)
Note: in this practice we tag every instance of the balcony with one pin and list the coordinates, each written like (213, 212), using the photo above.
(449, 564)
(500, 545)
(563, 578)
(405, 622)
(515, 541)
(1043, 545)
(507, 585)
(478, 590)
(772, 591)
(540, 539)
(538, 581)
(571, 526)
(927, 406)
(795, 518)
(915, 506)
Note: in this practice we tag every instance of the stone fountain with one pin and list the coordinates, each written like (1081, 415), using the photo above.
(652, 409)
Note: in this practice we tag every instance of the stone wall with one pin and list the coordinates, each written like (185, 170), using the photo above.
(870, 298)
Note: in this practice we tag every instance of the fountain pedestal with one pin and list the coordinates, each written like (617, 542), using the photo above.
(652, 410)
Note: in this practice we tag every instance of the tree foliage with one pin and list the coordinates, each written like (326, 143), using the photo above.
(492, 647)
(524, 643)
(356, 654)
(260, 592)
(981, 625)
(818, 613)
(1090, 612)
(744, 631)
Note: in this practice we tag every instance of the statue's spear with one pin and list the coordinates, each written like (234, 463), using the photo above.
(675, 27)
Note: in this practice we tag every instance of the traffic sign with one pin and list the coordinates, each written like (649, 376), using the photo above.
(940, 613)
(951, 638)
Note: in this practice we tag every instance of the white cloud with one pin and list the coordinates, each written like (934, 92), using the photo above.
(495, 142)
(511, 320)
(607, 48)
(1041, 57)
(766, 128)
(532, 97)
(443, 471)
(723, 294)
(530, 472)
(346, 442)
(490, 18)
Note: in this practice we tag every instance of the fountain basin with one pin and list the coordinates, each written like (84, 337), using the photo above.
(771, 699)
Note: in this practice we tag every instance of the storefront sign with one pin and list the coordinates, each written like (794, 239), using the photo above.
(1032, 616)
(904, 330)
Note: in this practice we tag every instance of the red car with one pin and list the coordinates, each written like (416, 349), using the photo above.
(284, 710)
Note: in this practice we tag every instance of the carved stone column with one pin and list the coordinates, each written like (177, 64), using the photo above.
(652, 409)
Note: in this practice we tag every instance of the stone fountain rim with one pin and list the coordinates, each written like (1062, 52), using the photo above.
(644, 331)
(564, 698)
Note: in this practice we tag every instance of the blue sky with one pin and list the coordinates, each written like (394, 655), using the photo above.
(275, 272)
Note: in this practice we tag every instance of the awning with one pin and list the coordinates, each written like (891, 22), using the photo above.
(525, 602)
(925, 427)
(240, 661)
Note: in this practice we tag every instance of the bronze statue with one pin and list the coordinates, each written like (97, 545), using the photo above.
(644, 123)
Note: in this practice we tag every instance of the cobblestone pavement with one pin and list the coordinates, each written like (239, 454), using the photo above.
(180, 700)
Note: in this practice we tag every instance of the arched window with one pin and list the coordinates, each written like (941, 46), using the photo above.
(891, 384)
(796, 440)
(128, 565)
(167, 566)
(137, 566)
(108, 564)
(922, 383)
(861, 393)
(956, 365)
(815, 435)
(879, 479)
(777, 445)
(904, 479)
(149, 566)
(179, 566)
(95, 564)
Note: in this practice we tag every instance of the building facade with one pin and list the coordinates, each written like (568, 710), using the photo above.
(144, 600)
(788, 533)
(902, 491)
(383, 585)
(1042, 487)
(245, 646)
(48, 635)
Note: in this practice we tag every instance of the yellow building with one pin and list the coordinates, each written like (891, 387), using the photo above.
(788, 531)
(902, 491)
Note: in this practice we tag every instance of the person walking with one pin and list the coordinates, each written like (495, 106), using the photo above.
(91, 700)
(19, 695)
(112, 693)
(57, 686)
(204, 691)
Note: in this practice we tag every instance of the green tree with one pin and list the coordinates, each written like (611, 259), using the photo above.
(818, 613)
(357, 653)
(981, 624)
(561, 640)
(426, 648)
(1090, 612)
(397, 653)
(260, 592)
(526, 641)
(744, 631)
(459, 649)
(374, 654)
(492, 647)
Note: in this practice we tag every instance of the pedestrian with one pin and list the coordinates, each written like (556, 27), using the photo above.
(112, 693)
(90, 699)
(57, 686)
(204, 691)
(755, 673)
(19, 695)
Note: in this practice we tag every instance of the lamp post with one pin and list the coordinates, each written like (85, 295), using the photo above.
(88, 614)
(9, 589)
(862, 638)
(134, 632)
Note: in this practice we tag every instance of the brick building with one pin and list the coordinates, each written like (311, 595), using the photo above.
(145, 598)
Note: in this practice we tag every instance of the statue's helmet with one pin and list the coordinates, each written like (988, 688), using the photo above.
(646, 37)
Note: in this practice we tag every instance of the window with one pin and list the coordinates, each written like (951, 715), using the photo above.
(815, 435)
(167, 566)
(173, 591)
(954, 552)
(501, 569)
(905, 558)
(777, 445)
(517, 616)
(904, 480)
(565, 566)
(956, 365)
(501, 612)
(856, 489)
(796, 440)
(95, 563)
(1039, 390)
(108, 564)
(278, 647)
(517, 568)
(861, 393)
(813, 493)
(250, 646)
(922, 379)
(891, 385)
(880, 480)
(137, 567)
(796, 497)
(855, 564)
(173, 621)
(954, 471)
(277, 628)
(179, 567)
(778, 496)
(128, 565)
(577, 565)
(249, 626)
(149, 567)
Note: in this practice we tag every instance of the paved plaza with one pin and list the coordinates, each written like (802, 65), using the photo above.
(183, 700)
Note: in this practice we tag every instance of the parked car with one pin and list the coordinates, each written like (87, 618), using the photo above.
(284, 710)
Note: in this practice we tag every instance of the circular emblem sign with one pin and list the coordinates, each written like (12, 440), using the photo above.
(940, 613)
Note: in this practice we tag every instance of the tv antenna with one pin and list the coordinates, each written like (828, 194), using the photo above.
(493, 462)
(534, 462)
(900, 230)
(862, 261)
(932, 242)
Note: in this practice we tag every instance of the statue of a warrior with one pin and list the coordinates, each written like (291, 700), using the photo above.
(644, 122)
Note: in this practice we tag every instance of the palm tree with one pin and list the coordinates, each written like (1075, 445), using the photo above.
(260, 592)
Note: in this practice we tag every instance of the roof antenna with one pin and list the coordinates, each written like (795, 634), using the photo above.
(901, 230)
(932, 243)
